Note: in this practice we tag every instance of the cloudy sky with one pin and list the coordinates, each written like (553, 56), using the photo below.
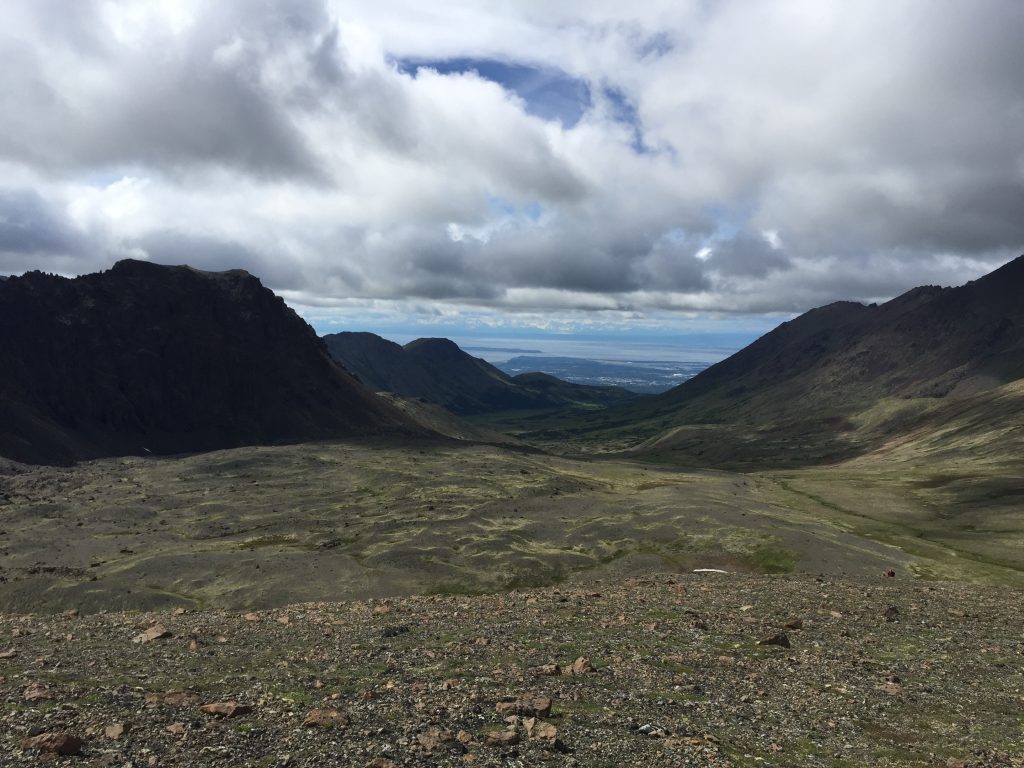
(683, 166)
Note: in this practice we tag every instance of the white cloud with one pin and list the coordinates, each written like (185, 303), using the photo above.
(733, 156)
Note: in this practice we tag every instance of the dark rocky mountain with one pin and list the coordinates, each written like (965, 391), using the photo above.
(148, 358)
(840, 378)
(438, 371)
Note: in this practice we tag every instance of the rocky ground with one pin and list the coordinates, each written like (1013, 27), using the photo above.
(675, 670)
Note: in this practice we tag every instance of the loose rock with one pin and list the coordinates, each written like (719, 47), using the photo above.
(57, 743)
(501, 738)
(156, 632)
(581, 666)
(225, 709)
(781, 639)
(116, 730)
(326, 718)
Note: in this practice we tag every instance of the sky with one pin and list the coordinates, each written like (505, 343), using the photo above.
(492, 168)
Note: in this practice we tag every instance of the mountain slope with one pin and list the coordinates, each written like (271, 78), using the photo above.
(439, 371)
(839, 379)
(149, 358)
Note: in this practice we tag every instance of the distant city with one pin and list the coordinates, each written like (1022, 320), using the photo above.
(642, 376)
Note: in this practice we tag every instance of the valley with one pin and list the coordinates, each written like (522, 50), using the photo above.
(811, 553)
(265, 526)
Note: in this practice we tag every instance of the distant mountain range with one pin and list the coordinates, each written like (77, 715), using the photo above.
(642, 376)
(438, 371)
(842, 378)
(145, 358)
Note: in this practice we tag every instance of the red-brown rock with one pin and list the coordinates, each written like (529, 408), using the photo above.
(225, 709)
(58, 743)
(326, 718)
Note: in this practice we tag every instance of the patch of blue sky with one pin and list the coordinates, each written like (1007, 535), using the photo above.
(508, 209)
(548, 93)
(102, 178)
(623, 111)
(730, 219)
(656, 46)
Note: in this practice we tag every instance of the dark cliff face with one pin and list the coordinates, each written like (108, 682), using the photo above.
(148, 358)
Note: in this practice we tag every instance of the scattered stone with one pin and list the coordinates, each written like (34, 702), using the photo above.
(795, 623)
(36, 692)
(434, 738)
(581, 666)
(173, 698)
(72, 613)
(501, 738)
(116, 731)
(225, 709)
(780, 639)
(675, 688)
(251, 616)
(539, 730)
(179, 611)
(482, 641)
(286, 620)
(395, 630)
(8, 654)
(654, 731)
(326, 718)
(525, 706)
(156, 632)
(57, 743)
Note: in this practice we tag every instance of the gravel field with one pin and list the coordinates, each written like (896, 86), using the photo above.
(670, 670)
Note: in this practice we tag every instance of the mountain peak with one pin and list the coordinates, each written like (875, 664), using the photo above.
(166, 359)
(434, 346)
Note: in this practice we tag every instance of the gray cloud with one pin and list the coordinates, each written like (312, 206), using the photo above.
(748, 255)
(164, 103)
(30, 226)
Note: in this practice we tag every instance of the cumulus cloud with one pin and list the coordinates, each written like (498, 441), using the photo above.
(533, 157)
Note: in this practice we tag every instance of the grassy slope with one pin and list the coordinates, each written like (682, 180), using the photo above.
(954, 480)
(264, 526)
(836, 382)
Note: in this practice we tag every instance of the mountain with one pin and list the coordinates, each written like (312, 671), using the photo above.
(438, 371)
(146, 358)
(840, 379)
